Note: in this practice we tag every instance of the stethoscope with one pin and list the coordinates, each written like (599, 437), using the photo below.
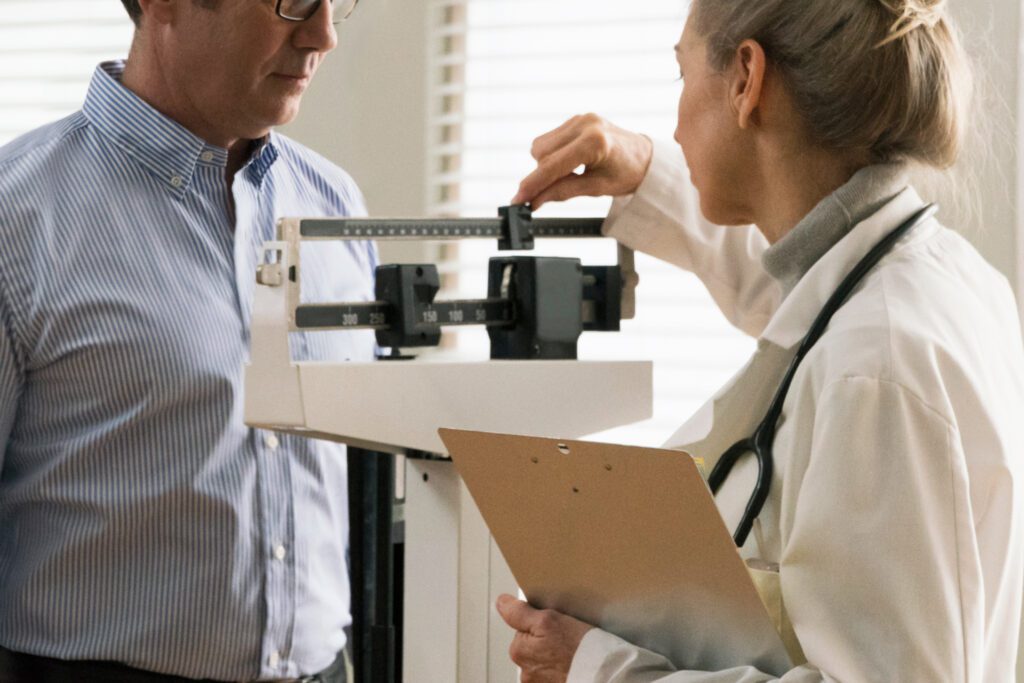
(760, 444)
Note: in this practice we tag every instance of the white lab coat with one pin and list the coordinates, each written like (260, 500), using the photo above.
(895, 511)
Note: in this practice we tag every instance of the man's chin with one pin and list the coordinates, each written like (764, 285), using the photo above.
(281, 116)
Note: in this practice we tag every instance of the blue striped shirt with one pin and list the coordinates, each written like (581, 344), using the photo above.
(141, 521)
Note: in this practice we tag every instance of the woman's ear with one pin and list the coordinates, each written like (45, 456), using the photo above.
(749, 69)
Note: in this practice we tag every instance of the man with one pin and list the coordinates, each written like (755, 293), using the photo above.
(146, 533)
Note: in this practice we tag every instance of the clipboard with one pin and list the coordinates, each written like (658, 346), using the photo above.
(627, 539)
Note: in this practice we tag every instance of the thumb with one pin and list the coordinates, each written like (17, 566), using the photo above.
(516, 613)
(570, 187)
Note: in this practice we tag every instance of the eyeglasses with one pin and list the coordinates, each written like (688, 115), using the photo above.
(301, 10)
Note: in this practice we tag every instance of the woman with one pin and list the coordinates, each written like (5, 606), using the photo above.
(894, 520)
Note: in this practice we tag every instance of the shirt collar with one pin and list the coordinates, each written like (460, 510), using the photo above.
(261, 158)
(163, 146)
(833, 218)
(798, 311)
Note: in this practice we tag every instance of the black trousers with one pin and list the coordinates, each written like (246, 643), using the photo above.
(17, 667)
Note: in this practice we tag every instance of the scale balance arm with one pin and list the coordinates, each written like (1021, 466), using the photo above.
(535, 311)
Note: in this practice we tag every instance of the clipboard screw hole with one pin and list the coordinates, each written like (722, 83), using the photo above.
(575, 489)
(426, 477)
(608, 467)
(563, 449)
(535, 460)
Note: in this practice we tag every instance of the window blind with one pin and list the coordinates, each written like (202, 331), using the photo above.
(507, 71)
(48, 51)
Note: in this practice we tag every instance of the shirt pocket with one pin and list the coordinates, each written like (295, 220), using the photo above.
(765, 576)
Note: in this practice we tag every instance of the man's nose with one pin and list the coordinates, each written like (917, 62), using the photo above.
(317, 32)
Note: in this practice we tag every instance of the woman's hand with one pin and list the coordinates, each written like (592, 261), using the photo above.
(615, 162)
(545, 641)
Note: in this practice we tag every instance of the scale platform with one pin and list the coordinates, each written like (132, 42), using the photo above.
(396, 407)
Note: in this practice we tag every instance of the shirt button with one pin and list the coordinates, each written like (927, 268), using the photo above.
(206, 156)
(280, 552)
(274, 659)
(271, 441)
(176, 181)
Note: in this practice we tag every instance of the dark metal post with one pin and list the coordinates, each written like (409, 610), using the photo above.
(374, 567)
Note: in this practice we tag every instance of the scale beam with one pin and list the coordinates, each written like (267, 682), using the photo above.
(515, 229)
(441, 229)
(380, 315)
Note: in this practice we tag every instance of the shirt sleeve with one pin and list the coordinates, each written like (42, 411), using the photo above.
(10, 379)
(879, 568)
(663, 219)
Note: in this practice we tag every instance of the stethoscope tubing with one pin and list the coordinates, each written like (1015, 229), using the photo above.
(760, 444)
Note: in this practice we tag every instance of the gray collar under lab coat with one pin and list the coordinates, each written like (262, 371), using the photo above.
(871, 188)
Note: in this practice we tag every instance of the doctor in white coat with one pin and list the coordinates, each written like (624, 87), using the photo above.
(894, 528)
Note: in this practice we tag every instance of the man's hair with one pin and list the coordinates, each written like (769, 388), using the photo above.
(133, 9)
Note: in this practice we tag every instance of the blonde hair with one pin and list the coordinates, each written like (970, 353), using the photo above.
(886, 77)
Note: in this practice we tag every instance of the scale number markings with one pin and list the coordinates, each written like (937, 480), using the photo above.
(430, 316)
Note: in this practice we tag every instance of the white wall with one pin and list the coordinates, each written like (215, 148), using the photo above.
(367, 109)
(993, 35)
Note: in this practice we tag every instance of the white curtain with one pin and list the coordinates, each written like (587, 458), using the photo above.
(48, 51)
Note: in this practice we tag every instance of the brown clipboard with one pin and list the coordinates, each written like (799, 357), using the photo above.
(625, 538)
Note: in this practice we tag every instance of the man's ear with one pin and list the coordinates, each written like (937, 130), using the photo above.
(749, 69)
(158, 11)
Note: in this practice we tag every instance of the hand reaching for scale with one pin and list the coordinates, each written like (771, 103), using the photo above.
(615, 162)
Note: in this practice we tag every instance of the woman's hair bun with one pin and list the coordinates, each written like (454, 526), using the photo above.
(911, 15)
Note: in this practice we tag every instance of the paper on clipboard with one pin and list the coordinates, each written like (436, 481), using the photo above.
(625, 538)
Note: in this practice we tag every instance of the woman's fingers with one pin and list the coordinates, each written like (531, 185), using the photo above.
(559, 164)
(559, 137)
(615, 159)
(569, 187)
(545, 642)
